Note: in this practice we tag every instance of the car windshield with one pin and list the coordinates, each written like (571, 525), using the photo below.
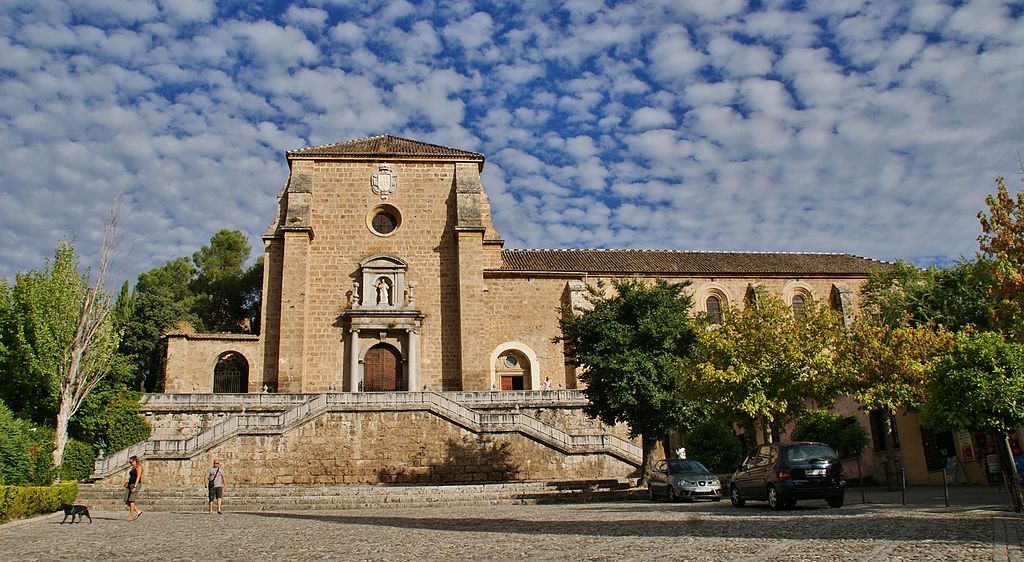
(679, 466)
(815, 452)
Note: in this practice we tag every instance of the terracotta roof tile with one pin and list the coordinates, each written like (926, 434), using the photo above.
(386, 146)
(669, 262)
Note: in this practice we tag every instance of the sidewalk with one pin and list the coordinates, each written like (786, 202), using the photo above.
(962, 497)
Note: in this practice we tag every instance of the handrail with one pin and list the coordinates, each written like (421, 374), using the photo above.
(314, 405)
(289, 400)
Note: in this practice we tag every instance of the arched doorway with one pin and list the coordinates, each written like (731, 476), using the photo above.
(382, 370)
(513, 371)
(231, 374)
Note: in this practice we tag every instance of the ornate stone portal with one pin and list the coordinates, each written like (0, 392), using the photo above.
(383, 328)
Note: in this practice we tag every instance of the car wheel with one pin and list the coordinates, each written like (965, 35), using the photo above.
(650, 493)
(774, 501)
(672, 494)
(836, 501)
(735, 497)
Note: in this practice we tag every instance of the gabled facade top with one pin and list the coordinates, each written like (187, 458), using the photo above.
(385, 147)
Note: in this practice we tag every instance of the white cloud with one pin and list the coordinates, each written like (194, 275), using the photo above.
(672, 56)
(311, 18)
(652, 118)
(737, 60)
(348, 33)
(276, 44)
(188, 10)
(845, 126)
(471, 33)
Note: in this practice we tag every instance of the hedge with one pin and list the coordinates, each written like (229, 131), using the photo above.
(17, 502)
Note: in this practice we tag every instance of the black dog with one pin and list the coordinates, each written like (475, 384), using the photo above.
(76, 510)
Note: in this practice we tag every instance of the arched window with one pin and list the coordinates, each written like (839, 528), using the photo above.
(798, 306)
(837, 301)
(231, 374)
(713, 306)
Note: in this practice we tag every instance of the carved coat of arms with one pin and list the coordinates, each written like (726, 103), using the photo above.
(384, 181)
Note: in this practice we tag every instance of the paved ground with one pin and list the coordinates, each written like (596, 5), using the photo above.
(632, 530)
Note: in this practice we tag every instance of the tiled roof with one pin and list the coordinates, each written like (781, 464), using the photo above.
(386, 146)
(667, 262)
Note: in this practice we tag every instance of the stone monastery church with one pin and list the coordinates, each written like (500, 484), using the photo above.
(384, 272)
(402, 342)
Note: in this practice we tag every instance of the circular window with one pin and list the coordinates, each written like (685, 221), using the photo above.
(511, 361)
(384, 220)
(384, 223)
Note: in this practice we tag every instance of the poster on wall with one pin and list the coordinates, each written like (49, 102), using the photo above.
(966, 445)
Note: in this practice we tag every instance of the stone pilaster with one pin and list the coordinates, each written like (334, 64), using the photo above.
(469, 232)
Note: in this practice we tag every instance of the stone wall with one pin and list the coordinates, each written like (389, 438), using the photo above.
(411, 446)
(192, 357)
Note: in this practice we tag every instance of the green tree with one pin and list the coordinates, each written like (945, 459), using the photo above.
(1002, 242)
(162, 300)
(64, 339)
(715, 445)
(763, 363)
(978, 386)
(887, 368)
(845, 435)
(905, 295)
(628, 347)
(223, 286)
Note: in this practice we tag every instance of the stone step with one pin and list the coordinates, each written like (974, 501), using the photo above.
(298, 498)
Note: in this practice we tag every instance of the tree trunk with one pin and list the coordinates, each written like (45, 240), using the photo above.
(60, 438)
(891, 475)
(649, 445)
(1010, 476)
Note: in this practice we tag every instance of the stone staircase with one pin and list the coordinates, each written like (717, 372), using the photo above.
(315, 405)
(303, 498)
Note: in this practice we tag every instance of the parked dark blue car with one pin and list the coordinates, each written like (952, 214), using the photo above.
(784, 473)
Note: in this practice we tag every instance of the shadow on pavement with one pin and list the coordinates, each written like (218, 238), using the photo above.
(800, 523)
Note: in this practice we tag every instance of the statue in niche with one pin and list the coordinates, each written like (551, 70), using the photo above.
(383, 292)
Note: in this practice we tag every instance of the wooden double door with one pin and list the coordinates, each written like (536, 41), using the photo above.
(383, 370)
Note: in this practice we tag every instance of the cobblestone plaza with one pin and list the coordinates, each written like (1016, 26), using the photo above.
(629, 530)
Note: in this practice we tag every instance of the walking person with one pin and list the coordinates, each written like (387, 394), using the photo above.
(132, 487)
(215, 484)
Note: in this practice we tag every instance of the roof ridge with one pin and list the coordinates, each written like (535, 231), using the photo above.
(707, 252)
(381, 137)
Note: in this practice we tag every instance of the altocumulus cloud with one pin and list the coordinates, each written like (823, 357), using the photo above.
(874, 128)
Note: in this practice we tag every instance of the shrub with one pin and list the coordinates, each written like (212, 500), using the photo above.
(844, 435)
(26, 451)
(17, 502)
(715, 445)
(78, 461)
(110, 419)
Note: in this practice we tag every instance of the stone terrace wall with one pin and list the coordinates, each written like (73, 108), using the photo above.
(381, 447)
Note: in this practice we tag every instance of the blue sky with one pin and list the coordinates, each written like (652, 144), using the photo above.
(871, 128)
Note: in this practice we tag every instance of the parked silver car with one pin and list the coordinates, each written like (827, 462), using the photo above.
(682, 479)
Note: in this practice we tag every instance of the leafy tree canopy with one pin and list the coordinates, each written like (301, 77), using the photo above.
(977, 385)
(888, 365)
(1002, 242)
(846, 436)
(763, 363)
(906, 295)
(628, 347)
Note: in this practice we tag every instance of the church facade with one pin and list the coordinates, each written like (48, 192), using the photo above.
(401, 342)
(383, 272)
